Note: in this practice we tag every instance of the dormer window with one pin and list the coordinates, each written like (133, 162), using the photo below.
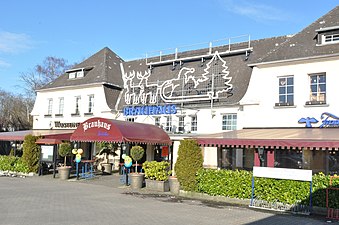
(328, 35)
(331, 38)
(78, 72)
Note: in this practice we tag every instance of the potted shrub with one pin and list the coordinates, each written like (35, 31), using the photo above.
(65, 149)
(106, 149)
(137, 179)
(156, 174)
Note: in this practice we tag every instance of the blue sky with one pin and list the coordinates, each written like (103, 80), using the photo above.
(76, 29)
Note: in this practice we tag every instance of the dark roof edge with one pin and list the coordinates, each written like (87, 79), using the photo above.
(293, 60)
(80, 85)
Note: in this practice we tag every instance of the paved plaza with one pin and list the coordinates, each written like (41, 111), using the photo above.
(103, 200)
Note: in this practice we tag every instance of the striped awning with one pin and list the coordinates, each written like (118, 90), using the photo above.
(289, 138)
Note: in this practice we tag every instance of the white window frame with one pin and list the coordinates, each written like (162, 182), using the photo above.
(77, 105)
(157, 121)
(317, 94)
(181, 123)
(90, 103)
(168, 125)
(229, 121)
(50, 106)
(61, 105)
(287, 87)
(194, 123)
(330, 38)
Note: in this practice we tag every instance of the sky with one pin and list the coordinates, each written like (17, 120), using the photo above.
(74, 30)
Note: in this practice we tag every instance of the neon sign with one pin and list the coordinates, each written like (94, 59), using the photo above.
(327, 120)
(150, 110)
(188, 84)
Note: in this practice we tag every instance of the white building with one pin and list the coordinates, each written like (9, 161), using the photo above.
(268, 83)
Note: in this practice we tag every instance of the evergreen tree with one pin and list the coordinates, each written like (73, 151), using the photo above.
(189, 161)
(31, 153)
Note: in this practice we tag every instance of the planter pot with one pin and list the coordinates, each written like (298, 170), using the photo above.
(106, 168)
(137, 180)
(64, 172)
(174, 185)
(156, 185)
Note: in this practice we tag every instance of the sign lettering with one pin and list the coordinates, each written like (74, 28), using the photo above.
(58, 124)
(150, 110)
(96, 124)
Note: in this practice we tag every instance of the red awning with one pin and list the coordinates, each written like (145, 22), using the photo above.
(20, 135)
(314, 138)
(48, 141)
(101, 129)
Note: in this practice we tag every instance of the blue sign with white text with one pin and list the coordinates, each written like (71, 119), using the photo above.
(150, 110)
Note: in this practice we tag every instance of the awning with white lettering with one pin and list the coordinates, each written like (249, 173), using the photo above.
(108, 130)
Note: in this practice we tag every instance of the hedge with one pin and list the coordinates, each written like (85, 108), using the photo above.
(238, 184)
(12, 163)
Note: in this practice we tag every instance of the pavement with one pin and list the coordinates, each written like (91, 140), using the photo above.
(104, 200)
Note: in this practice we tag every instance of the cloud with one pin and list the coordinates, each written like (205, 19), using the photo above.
(14, 42)
(254, 10)
(4, 64)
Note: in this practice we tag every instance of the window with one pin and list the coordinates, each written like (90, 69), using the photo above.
(229, 122)
(327, 35)
(90, 103)
(76, 74)
(317, 88)
(168, 127)
(194, 123)
(50, 107)
(61, 106)
(157, 121)
(181, 125)
(77, 105)
(330, 38)
(286, 90)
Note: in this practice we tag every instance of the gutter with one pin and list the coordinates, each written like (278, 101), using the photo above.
(293, 60)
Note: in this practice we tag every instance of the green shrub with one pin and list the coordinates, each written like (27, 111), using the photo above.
(237, 184)
(157, 170)
(12, 163)
(189, 161)
(234, 184)
(137, 152)
(31, 153)
(21, 166)
(65, 149)
(7, 163)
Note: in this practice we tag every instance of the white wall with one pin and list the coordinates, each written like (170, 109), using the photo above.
(40, 121)
(264, 91)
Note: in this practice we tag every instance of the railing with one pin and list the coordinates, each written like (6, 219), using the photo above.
(226, 46)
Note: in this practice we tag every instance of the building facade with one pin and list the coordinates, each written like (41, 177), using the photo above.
(239, 84)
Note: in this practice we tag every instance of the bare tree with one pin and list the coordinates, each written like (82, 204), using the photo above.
(14, 112)
(42, 74)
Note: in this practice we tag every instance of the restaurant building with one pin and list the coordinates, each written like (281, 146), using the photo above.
(268, 102)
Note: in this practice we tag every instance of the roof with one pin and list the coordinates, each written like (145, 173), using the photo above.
(304, 43)
(107, 130)
(237, 66)
(317, 138)
(102, 67)
(20, 135)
